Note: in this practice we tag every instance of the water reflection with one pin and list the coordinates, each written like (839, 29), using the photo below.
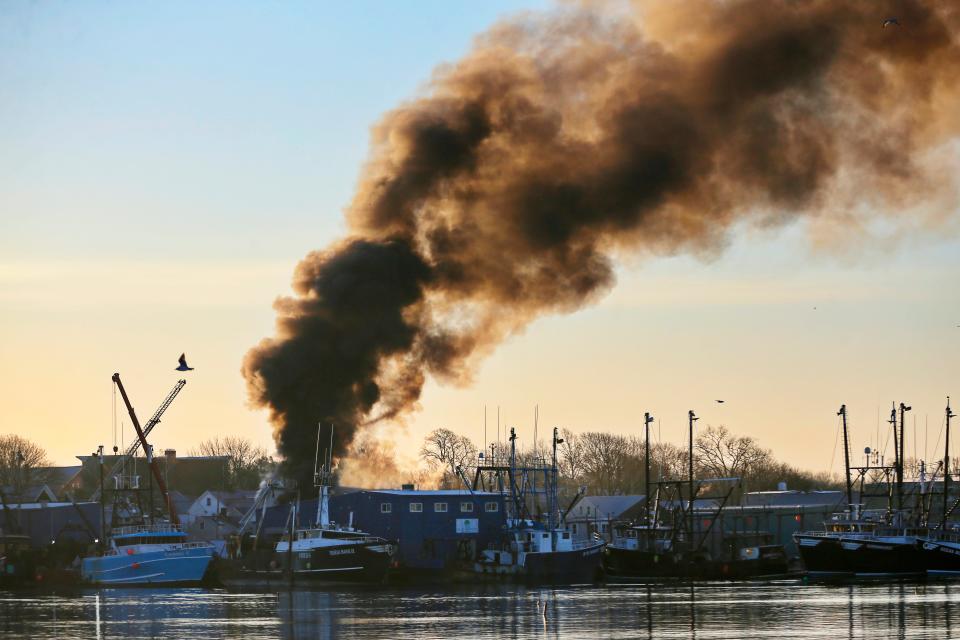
(705, 612)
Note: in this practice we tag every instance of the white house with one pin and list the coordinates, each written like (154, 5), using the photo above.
(227, 505)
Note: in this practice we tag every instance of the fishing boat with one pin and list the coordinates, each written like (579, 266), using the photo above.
(150, 554)
(642, 551)
(140, 548)
(941, 544)
(861, 543)
(665, 543)
(17, 561)
(321, 553)
(534, 550)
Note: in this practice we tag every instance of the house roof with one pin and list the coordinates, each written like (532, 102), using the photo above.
(782, 498)
(181, 502)
(432, 492)
(606, 506)
(57, 477)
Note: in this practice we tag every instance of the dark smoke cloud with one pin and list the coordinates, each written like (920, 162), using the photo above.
(564, 140)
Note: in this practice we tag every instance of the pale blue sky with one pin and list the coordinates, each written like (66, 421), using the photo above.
(163, 166)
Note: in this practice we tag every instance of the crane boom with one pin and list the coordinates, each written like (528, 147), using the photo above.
(147, 428)
(141, 434)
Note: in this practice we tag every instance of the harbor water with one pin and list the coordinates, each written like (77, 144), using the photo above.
(706, 611)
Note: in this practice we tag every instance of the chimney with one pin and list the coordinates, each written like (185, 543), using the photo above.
(170, 455)
(406, 487)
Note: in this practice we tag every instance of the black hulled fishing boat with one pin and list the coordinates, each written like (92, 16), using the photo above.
(941, 544)
(532, 550)
(321, 553)
(861, 543)
(665, 543)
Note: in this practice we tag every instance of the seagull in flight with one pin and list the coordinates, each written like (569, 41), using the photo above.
(183, 363)
(891, 22)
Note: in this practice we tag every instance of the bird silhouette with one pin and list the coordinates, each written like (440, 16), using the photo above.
(891, 22)
(183, 363)
(720, 401)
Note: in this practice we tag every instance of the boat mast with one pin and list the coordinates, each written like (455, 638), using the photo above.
(647, 419)
(903, 453)
(946, 467)
(321, 479)
(846, 459)
(554, 499)
(897, 469)
(692, 418)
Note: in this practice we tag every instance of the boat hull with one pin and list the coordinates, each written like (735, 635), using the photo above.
(941, 557)
(166, 567)
(839, 556)
(358, 564)
(635, 563)
(578, 566)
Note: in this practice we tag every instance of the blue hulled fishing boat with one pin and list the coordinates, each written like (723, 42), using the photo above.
(154, 554)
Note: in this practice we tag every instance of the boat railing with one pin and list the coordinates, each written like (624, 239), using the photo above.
(833, 534)
(148, 529)
(168, 546)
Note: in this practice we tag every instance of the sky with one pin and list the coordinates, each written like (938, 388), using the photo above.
(164, 166)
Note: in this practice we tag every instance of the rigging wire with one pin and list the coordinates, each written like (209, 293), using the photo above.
(836, 439)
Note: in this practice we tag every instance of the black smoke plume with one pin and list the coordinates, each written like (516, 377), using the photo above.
(564, 140)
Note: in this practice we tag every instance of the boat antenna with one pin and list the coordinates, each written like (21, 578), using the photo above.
(330, 452)
(316, 456)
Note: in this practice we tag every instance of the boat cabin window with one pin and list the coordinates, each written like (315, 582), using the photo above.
(440, 507)
(386, 507)
(466, 507)
(491, 507)
(416, 507)
(566, 535)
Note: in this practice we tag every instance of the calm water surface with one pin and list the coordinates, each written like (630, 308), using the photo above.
(779, 610)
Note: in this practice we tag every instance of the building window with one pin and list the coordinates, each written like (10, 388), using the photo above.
(416, 507)
(440, 507)
(386, 507)
(208, 501)
(466, 507)
(574, 527)
(491, 507)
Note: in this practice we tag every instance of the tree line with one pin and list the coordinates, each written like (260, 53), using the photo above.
(603, 463)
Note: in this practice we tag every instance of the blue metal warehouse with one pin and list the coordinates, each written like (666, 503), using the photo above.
(433, 528)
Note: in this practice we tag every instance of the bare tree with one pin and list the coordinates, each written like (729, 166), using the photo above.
(247, 461)
(444, 449)
(22, 465)
(719, 453)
